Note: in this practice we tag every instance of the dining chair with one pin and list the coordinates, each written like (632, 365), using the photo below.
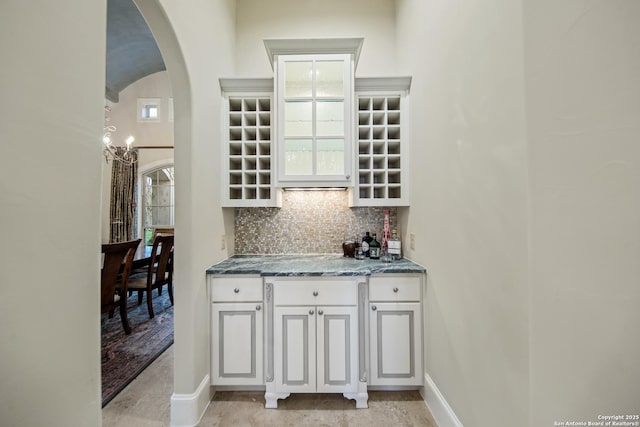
(161, 230)
(159, 272)
(116, 266)
(140, 271)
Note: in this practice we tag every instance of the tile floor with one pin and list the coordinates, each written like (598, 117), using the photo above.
(145, 403)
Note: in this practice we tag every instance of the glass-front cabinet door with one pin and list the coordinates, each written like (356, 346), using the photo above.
(314, 96)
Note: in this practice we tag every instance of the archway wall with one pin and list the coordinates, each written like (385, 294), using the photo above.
(196, 41)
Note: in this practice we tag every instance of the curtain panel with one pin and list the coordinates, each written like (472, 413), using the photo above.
(123, 199)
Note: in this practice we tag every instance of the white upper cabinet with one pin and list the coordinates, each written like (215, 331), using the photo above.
(314, 91)
(247, 144)
(382, 147)
(314, 124)
(314, 98)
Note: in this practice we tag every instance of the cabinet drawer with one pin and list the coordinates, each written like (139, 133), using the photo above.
(394, 288)
(236, 289)
(315, 292)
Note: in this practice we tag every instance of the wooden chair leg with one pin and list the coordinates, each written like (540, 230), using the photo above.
(124, 317)
(150, 303)
(170, 289)
(160, 290)
(111, 314)
(140, 296)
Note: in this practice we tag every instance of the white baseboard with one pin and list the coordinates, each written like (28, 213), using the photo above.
(188, 409)
(438, 406)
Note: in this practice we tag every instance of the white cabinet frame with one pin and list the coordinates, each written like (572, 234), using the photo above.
(248, 145)
(381, 142)
(314, 179)
(237, 330)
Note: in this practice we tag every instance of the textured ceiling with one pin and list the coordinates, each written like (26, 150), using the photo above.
(132, 52)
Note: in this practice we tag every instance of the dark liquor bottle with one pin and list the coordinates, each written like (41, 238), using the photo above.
(374, 248)
(366, 239)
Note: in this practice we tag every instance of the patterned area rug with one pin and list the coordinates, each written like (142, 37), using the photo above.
(124, 357)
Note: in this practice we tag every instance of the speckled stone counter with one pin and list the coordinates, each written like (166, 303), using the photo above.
(311, 265)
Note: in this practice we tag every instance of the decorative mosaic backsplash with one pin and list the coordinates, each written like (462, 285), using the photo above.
(309, 222)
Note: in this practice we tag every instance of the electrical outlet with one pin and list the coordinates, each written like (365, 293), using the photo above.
(412, 241)
(223, 242)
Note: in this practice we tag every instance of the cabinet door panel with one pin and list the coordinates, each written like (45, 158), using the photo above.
(396, 344)
(294, 349)
(337, 349)
(237, 331)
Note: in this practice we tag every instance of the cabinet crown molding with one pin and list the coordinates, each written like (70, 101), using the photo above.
(351, 45)
(365, 84)
(249, 85)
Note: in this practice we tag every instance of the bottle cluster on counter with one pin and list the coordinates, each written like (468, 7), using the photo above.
(389, 249)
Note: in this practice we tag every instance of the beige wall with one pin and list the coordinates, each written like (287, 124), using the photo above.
(469, 201)
(124, 113)
(583, 109)
(52, 85)
(372, 19)
(531, 246)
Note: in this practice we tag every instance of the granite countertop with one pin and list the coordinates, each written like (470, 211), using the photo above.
(310, 265)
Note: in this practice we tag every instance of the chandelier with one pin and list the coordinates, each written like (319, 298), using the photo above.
(111, 152)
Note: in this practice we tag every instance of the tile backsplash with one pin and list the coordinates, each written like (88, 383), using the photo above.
(309, 222)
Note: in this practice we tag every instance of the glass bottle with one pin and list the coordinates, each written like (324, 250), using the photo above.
(395, 246)
(366, 239)
(374, 248)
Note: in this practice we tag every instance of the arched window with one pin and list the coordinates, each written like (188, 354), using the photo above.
(157, 200)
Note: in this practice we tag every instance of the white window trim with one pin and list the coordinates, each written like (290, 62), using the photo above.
(158, 164)
(142, 102)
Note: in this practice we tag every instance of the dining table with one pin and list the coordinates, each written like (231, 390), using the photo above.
(142, 257)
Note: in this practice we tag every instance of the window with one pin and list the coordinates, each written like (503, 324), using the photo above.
(157, 201)
(148, 110)
(314, 105)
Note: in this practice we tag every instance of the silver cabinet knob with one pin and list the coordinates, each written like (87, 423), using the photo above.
(310, 311)
(236, 290)
(320, 312)
(395, 290)
(374, 308)
(258, 308)
(315, 293)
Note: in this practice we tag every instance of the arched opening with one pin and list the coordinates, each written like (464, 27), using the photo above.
(156, 19)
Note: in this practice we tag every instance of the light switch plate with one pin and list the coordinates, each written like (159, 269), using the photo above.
(412, 241)
(223, 242)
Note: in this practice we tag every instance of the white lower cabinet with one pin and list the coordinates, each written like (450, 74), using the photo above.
(315, 339)
(316, 334)
(395, 327)
(316, 348)
(237, 323)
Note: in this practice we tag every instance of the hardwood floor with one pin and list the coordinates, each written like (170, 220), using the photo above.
(145, 403)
